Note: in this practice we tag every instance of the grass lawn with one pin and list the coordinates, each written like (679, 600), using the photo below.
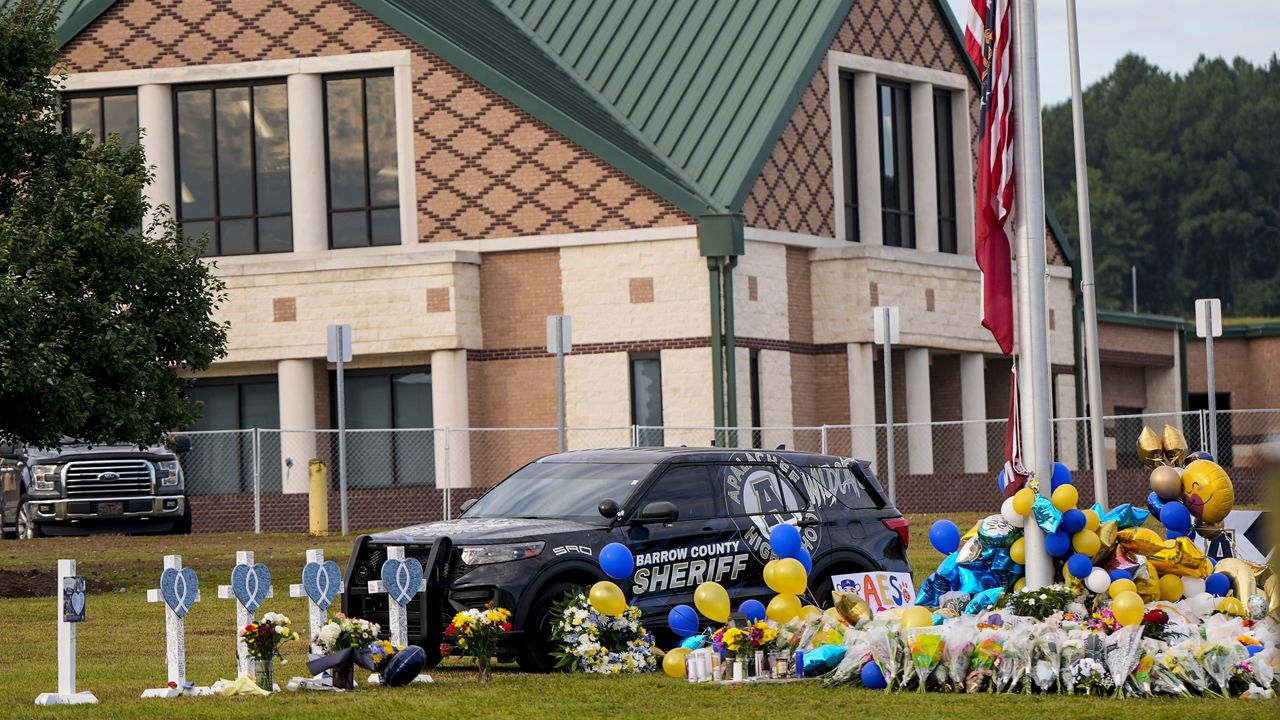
(121, 652)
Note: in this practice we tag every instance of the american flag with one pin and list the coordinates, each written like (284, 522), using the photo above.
(987, 40)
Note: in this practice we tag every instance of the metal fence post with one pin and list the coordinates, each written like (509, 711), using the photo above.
(1204, 423)
(635, 435)
(824, 439)
(448, 479)
(257, 481)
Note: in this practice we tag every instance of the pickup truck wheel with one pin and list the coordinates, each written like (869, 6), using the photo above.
(28, 529)
(534, 654)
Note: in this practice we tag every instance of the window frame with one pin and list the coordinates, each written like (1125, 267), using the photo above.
(217, 218)
(849, 146)
(648, 435)
(368, 208)
(709, 471)
(388, 373)
(100, 96)
(903, 218)
(945, 171)
(237, 382)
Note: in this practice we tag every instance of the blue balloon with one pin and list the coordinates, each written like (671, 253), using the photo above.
(1254, 649)
(1218, 584)
(806, 560)
(1073, 521)
(753, 609)
(1080, 566)
(945, 537)
(1002, 481)
(1174, 535)
(617, 561)
(1058, 544)
(1155, 504)
(404, 666)
(1176, 517)
(1061, 476)
(1120, 575)
(683, 621)
(872, 677)
(1200, 455)
(785, 541)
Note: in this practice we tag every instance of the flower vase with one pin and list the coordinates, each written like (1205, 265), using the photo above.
(343, 675)
(484, 668)
(266, 674)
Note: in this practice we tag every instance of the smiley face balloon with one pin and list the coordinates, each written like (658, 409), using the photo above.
(1207, 491)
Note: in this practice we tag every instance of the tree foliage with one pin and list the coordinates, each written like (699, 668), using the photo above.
(97, 313)
(1184, 183)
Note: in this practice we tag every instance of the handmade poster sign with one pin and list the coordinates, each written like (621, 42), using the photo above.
(72, 600)
(321, 584)
(881, 590)
(250, 587)
(179, 590)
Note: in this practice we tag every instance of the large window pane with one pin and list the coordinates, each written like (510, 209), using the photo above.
(275, 234)
(120, 116)
(195, 154)
(411, 398)
(850, 144)
(348, 229)
(271, 143)
(86, 115)
(646, 398)
(202, 229)
(218, 410)
(895, 165)
(345, 115)
(260, 405)
(945, 168)
(235, 237)
(385, 227)
(383, 173)
(360, 128)
(235, 158)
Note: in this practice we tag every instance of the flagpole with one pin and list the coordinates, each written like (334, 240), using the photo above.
(1093, 365)
(1033, 339)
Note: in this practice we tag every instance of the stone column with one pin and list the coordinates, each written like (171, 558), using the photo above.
(862, 400)
(962, 144)
(450, 409)
(919, 412)
(866, 129)
(973, 410)
(307, 172)
(155, 117)
(924, 168)
(297, 383)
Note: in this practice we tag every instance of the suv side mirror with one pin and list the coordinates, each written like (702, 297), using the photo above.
(609, 509)
(657, 512)
(467, 505)
(181, 444)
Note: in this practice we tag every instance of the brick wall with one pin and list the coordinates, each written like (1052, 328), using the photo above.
(944, 384)
(1132, 339)
(799, 296)
(518, 291)
(832, 373)
(1123, 386)
(485, 168)
(1244, 367)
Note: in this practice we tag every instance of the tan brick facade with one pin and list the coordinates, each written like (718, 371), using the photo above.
(485, 168)
(518, 291)
(1246, 368)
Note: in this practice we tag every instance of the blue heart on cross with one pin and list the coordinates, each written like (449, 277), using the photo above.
(77, 600)
(250, 584)
(320, 581)
(180, 589)
(402, 579)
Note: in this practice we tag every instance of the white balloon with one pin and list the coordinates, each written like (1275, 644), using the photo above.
(1011, 515)
(1098, 581)
(1192, 586)
(1204, 604)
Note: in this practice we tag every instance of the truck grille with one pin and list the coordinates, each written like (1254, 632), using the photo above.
(84, 478)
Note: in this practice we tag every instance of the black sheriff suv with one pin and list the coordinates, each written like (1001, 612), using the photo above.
(689, 515)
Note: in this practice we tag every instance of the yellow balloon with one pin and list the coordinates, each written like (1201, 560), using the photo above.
(916, 617)
(1121, 586)
(1170, 588)
(712, 600)
(1231, 606)
(1128, 608)
(1023, 500)
(810, 612)
(790, 577)
(1212, 489)
(607, 598)
(783, 607)
(1065, 497)
(1022, 582)
(771, 575)
(1092, 521)
(1018, 551)
(1086, 542)
(673, 662)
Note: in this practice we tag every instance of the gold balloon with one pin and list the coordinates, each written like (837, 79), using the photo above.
(1174, 444)
(1166, 482)
(1147, 581)
(1107, 536)
(1181, 557)
(852, 608)
(1212, 489)
(1273, 593)
(1245, 575)
(1140, 541)
(1150, 451)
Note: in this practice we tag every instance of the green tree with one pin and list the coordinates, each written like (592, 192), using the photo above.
(97, 317)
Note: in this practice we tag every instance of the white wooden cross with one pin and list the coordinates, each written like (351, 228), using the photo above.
(66, 694)
(316, 615)
(397, 616)
(244, 615)
(185, 592)
(328, 586)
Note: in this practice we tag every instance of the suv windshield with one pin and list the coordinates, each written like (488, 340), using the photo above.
(560, 490)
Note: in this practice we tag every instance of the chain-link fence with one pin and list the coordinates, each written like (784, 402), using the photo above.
(259, 480)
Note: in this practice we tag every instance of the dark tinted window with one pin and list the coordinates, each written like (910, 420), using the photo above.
(364, 178)
(554, 490)
(895, 165)
(688, 487)
(103, 114)
(757, 490)
(946, 171)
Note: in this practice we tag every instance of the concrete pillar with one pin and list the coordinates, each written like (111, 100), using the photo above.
(307, 171)
(866, 129)
(450, 409)
(973, 410)
(297, 383)
(924, 168)
(919, 412)
(962, 143)
(862, 400)
(155, 117)
(1067, 429)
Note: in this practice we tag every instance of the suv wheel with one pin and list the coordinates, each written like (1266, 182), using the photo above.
(28, 529)
(534, 654)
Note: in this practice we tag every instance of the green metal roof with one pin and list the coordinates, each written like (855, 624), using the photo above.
(73, 15)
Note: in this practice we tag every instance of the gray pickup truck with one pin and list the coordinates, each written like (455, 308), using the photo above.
(77, 489)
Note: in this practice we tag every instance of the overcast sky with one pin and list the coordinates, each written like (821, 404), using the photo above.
(1170, 34)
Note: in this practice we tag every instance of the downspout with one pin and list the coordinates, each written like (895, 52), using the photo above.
(731, 354)
(717, 350)
(721, 240)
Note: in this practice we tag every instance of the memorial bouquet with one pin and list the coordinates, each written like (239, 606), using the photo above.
(477, 631)
(343, 642)
(603, 644)
(263, 639)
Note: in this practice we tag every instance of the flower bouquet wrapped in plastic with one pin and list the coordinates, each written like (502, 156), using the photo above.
(883, 642)
(1090, 675)
(1140, 681)
(1015, 666)
(1122, 650)
(857, 651)
(1072, 653)
(1181, 662)
(925, 646)
(1049, 643)
(1219, 658)
(959, 638)
(1164, 681)
(987, 653)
